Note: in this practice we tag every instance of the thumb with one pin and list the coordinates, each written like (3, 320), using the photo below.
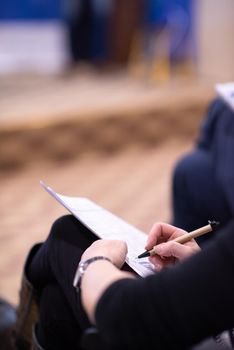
(173, 249)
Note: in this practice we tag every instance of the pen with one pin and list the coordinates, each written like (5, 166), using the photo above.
(186, 237)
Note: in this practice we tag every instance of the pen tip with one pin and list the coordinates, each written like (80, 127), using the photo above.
(144, 255)
(213, 224)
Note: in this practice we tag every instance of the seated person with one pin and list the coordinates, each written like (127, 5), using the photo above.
(173, 309)
(203, 181)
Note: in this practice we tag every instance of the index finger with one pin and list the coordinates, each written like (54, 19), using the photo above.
(162, 232)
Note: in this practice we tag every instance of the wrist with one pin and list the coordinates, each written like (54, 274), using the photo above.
(96, 280)
(82, 267)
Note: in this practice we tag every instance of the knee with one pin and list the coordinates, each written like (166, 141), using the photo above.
(62, 222)
(182, 170)
(191, 167)
(61, 226)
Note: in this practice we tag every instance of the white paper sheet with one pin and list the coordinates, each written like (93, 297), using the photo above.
(226, 92)
(107, 226)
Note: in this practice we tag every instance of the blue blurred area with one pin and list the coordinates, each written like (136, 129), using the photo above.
(30, 10)
(175, 16)
(157, 11)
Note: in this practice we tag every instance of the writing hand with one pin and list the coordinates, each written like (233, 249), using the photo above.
(168, 252)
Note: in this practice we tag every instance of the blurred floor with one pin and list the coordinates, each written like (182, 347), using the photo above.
(128, 136)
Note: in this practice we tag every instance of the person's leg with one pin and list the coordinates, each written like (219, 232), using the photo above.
(79, 26)
(57, 328)
(196, 194)
(57, 260)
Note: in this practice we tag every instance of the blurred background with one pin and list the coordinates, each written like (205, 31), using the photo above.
(100, 98)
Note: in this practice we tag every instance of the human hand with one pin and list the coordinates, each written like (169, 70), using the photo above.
(115, 250)
(167, 251)
(100, 275)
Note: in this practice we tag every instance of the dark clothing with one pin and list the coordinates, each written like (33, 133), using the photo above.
(175, 308)
(87, 23)
(80, 31)
(54, 266)
(52, 271)
(217, 136)
(203, 181)
(197, 194)
(170, 310)
(58, 328)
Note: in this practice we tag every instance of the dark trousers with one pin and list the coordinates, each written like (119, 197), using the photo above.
(51, 271)
(197, 196)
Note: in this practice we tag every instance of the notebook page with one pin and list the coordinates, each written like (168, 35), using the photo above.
(108, 226)
(226, 92)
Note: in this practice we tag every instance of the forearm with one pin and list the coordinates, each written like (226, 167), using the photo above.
(97, 278)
